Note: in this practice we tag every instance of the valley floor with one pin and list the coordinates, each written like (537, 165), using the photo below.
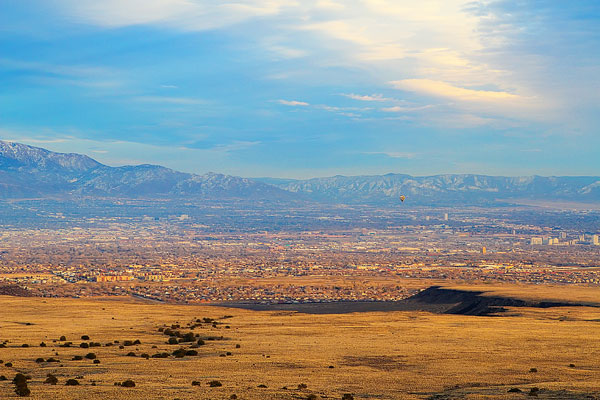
(273, 354)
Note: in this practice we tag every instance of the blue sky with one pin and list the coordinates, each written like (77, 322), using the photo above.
(307, 88)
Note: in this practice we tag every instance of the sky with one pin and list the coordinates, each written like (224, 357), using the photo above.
(307, 88)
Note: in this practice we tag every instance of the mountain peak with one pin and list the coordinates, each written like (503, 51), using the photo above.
(18, 155)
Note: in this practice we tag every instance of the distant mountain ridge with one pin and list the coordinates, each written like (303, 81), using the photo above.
(468, 188)
(27, 171)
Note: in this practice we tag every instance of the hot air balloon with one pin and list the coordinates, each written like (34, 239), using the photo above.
(402, 198)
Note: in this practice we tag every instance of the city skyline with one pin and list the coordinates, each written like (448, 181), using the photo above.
(273, 88)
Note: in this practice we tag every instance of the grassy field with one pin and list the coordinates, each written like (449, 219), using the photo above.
(391, 355)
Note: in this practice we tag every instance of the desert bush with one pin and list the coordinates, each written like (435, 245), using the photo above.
(96, 361)
(24, 345)
(22, 391)
(51, 379)
(215, 384)
(302, 386)
(173, 340)
(145, 355)
(534, 391)
(195, 383)
(237, 346)
(77, 358)
(179, 353)
(84, 345)
(131, 354)
(571, 365)
(191, 353)
(228, 353)
(128, 343)
(20, 379)
(347, 396)
(3, 378)
(311, 397)
(95, 344)
(514, 390)
(42, 344)
(233, 396)
(52, 359)
(85, 337)
(137, 341)
(533, 370)
(90, 356)
(160, 355)
(201, 342)
(8, 364)
(66, 344)
(71, 382)
(128, 383)
(39, 360)
(63, 338)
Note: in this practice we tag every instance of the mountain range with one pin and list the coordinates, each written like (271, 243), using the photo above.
(27, 171)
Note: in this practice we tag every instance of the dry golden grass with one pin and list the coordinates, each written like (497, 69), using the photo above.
(393, 355)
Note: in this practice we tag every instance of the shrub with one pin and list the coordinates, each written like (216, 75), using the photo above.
(160, 355)
(233, 396)
(347, 396)
(311, 397)
(77, 358)
(96, 361)
(51, 379)
(20, 379)
(179, 353)
(237, 346)
(195, 383)
(191, 353)
(63, 338)
(84, 345)
(71, 382)
(90, 356)
(145, 355)
(3, 378)
(22, 391)
(172, 340)
(128, 383)
(201, 342)
(95, 344)
(137, 341)
(215, 384)
(131, 354)
(8, 365)
(127, 343)
(39, 360)
(533, 370)
(571, 365)
(302, 386)
(24, 345)
(85, 337)
(514, 390)
(42, 344)
(52, 359)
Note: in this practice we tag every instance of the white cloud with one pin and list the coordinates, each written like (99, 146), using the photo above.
(170, 100)
(372, 97)
(442, 89)
(293, 103)
(393, 154)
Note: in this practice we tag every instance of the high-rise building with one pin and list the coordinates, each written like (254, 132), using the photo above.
(596, 240)
(536, 240)
(445, 216)
(563, 235)
(483, 250)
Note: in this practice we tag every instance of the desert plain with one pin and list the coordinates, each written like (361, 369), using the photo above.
(547, 353)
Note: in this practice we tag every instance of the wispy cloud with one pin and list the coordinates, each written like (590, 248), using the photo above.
(293, 103)
(393, 154)
(372, 97)
(442, 89)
